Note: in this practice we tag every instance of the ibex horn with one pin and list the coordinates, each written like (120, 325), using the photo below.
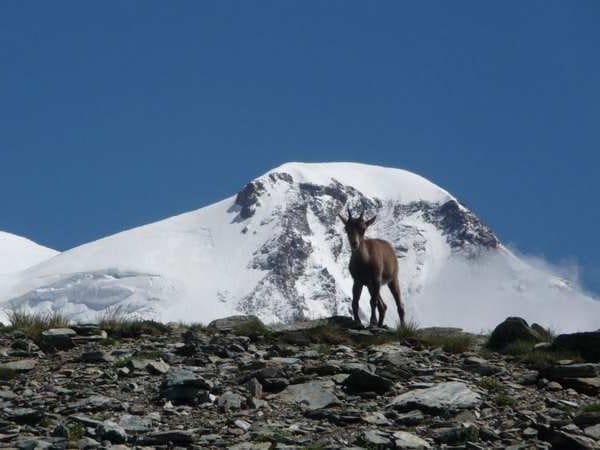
(349, 212)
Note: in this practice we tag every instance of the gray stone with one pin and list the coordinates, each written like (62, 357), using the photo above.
(233, 323)
(449, 396)
(230, 401)
(59, 338)
(363, 381)
(26, 415)
(377, 439)
(96, 356)
(157, 367)
(376, 418)
(20, 366)
(254, 388)
(479, 366)
(176, 437)
(511, 330)
(314, 395)
(572, 371)
(181, 385)
(593, 431)
(586, 344)
(405, 440)
(135, 424)
(110, 431)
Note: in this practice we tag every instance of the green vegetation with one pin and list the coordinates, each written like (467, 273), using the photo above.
(593, 407)
(33, 324)
(503, 400)
(76, 431)
(329, 334)
(253, 330)
(452, 343)
(7, 374)
(518, 348)
(118, 324)
(410, 330)
(492, 385)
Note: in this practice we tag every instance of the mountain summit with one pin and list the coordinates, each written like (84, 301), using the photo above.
(277, 250)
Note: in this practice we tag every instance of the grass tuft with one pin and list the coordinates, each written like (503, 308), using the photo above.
(7, 374)
(33, 324)
(503, 400)
(454, 343)
(118, 323)
(492, 385)
(593, 407)
(410, 330)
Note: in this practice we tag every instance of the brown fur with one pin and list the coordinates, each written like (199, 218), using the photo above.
(373, 264)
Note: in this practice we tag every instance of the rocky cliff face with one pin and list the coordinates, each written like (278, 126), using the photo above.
(308, 226)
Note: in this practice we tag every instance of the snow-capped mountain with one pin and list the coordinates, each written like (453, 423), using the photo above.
(277, 250)
(18, 253)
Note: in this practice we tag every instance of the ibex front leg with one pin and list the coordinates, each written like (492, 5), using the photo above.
(356, 291)
(375, 304)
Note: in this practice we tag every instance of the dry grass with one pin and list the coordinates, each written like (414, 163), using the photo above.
(118, 323)
(33, 324)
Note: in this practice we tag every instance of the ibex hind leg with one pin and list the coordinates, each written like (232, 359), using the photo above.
(395, 290)
(376, 304)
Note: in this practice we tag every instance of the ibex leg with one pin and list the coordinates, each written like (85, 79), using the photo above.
(395, 289)
(356, 291)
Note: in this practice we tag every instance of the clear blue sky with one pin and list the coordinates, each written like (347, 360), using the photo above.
(115, 114)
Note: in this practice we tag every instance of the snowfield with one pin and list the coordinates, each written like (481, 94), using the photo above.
(18, 253)
(277, 250)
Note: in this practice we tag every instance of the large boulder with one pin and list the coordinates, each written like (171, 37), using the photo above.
(586, 344)
(513, 329)
(234, 323)
(449, 396)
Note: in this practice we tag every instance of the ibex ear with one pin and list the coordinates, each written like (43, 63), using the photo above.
(370, 221)
(342, 219)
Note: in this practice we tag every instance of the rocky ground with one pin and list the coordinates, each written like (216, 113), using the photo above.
(236, 384)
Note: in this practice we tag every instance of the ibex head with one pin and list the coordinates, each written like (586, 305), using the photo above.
(356, 227)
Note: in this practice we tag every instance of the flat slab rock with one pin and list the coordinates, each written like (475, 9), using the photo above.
(450, 396)
(314, 395)
(23, 365)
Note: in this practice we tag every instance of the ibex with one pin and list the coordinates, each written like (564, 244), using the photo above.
(373, 264)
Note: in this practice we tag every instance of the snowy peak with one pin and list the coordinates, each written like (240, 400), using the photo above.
(18, 253)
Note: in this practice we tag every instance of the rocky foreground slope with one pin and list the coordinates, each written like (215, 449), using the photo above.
(325, 384)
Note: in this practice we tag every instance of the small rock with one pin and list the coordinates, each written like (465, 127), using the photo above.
(58, 338)
(177, 437)
(315, 395)
(182, 385)
(23, 365)
(230, 401)
(242, 424)
(593, 431)
(404, 440)
(254, 388)
(26, 415)
(97, 356)
(377, 439)
(364, 381)
(157, 367)
(110, 431)
(554, 386)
